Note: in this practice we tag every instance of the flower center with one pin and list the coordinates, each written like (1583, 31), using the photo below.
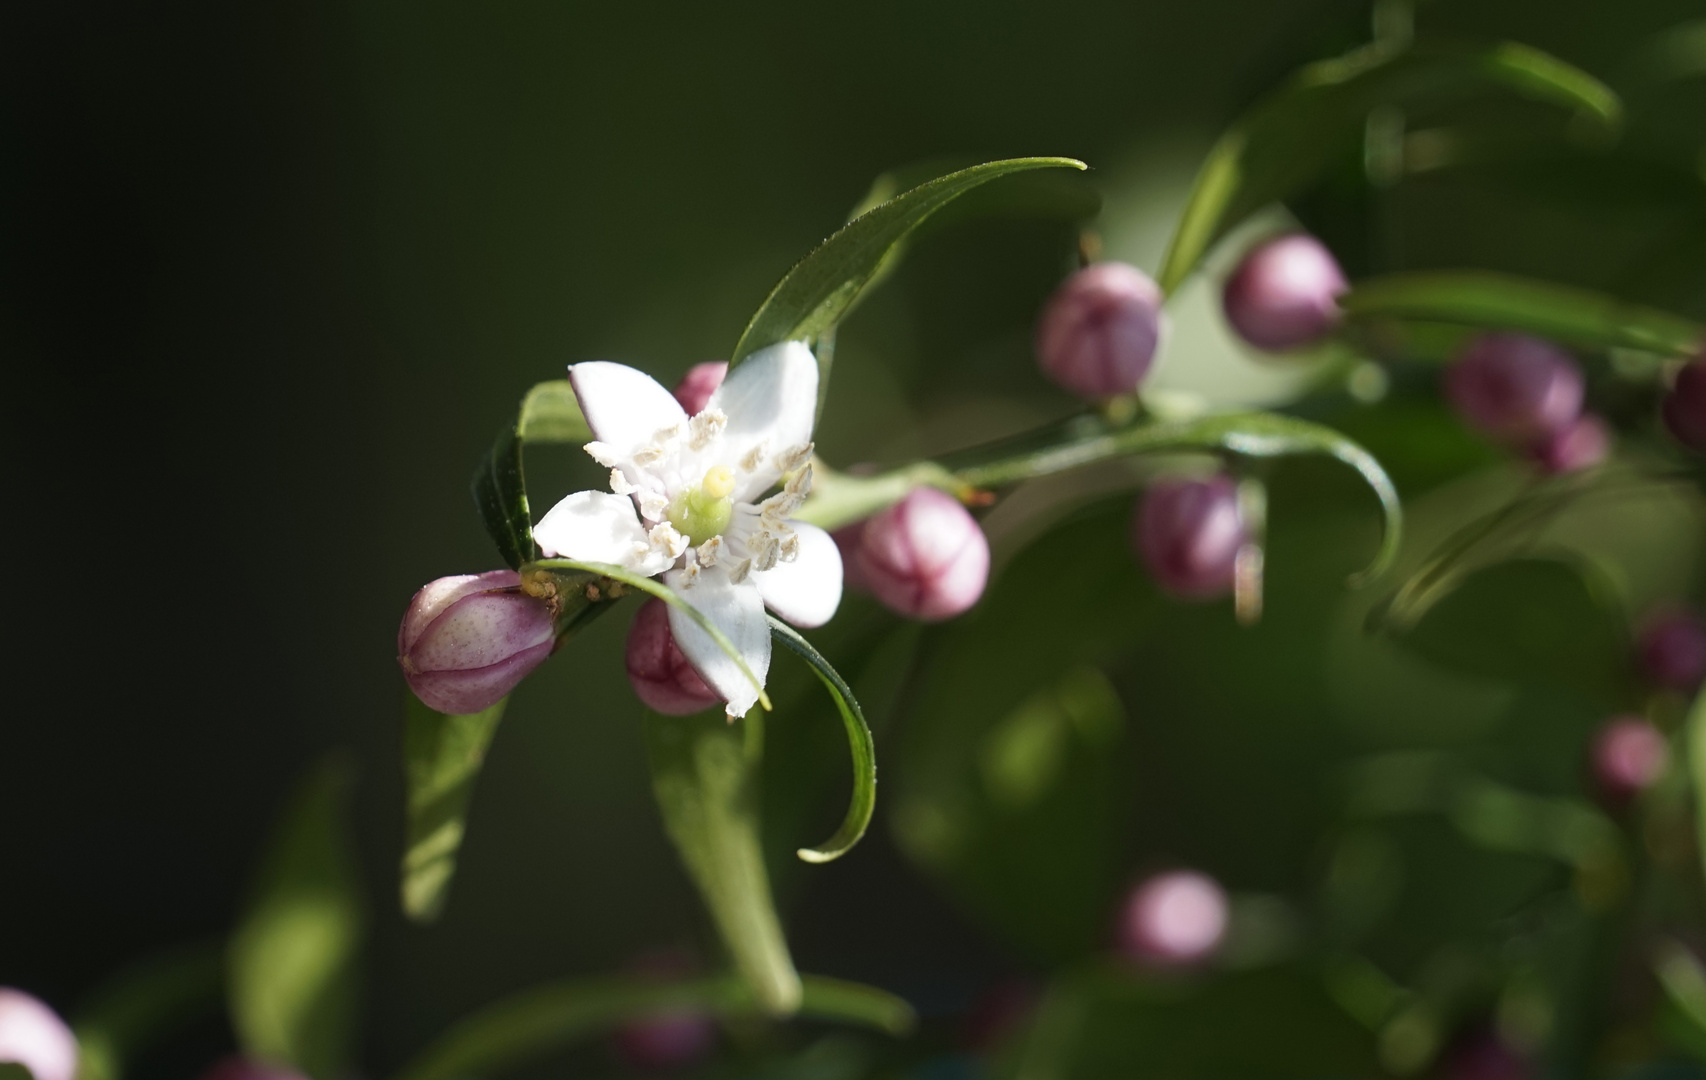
(703, 512)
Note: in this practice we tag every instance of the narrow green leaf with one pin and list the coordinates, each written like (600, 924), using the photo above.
(705, 778)
(1695, 735)
(667, 595)
(143, 1004)
(813, 296)
(550, 413)
(1287, 141)
(291, 964)
(500, 494)
(530, 1024)
(442, 757)
(1503, 302)
(859, 743)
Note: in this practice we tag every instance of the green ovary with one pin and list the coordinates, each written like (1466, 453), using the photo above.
(703, 512)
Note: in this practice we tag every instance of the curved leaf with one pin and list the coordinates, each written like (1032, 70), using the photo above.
(813, 296)
(1505, 302)
(1283, 144)
(442, 757)
(549, 413)
(859, 743)
(534, 1022)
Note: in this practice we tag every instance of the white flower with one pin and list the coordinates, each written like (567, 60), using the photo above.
(688, 505)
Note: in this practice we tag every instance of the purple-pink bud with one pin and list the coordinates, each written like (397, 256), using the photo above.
(1514, 387)
(1285, 294)
(1673, 650)
(670, 1038)
(237, 1067)
(1684, 408)
(925, 557)
(1482, 1055)
(1174, 919)
(1581, 444)
(33, 1035)
(1098, 333)
(1629, 754)
(657, 668)
(466, 641)
(1188, 533)
(701, 381)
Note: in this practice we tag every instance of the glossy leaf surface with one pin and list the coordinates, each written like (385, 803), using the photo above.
(859, 744)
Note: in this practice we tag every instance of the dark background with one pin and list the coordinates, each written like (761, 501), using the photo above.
(275, 273)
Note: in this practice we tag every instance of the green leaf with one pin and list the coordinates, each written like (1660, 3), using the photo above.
(534, 1022)
(550, 413)
(291, 964)
(1503, 302)
(1286, 142)
(442, 757)
(142, 1005)
(704, 775)
(859, 742)
(813, 296)
(500, 494)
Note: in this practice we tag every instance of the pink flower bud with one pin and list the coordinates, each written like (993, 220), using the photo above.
(1580, 444)
(674, 1037)
(1629, 754)
(657, 668)
(1514, 387)
(33, 1035)
(237, 1067)
(697, 386)
(925, 557)
(1174, 919)
(1684, 408)
(1285, 294)
(1099, 331)
(465, 641)
(1672, 650)
(1188, 533)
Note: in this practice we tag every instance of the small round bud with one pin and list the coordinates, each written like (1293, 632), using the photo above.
(671, 1038)
(1629, 754)
(1285, 294)
(1684, 408)
(1514, 387)
(1098, 333)
(1174, 919)
(697, 386)
(466, 641)
(1672, 650)
(925, 557)
(658, 670)
(1581, 444)
(238, 1067)
(33, 1035)
(1188, 533)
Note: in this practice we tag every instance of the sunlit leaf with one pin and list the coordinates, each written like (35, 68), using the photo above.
(1502, 302)
(442, 756)
(535, 1022)
(704, 775)
(144, 1004)
(859, 743)
(550, 413)
(291, 964)
(1286, 142)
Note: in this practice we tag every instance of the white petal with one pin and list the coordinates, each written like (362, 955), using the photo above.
(624, 407)
(596, 526)
(806, 591)
(771, 396)
(736, 610)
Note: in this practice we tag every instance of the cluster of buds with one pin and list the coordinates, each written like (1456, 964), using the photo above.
(1527, 394)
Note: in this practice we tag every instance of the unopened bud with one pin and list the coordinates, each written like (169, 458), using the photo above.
(925, 557)
(1188, 533)
(1581, 444)
(1515, 388)
(1684, 408)
(466, 641)
(33, 1035)
(671, 1038)
(1175, 919)
(1285, 294)
(696, 387)
(1629, 754)
(238, 1067)
(1672, 650)
(1098, 333)
(657, 668)
(1481, 1054)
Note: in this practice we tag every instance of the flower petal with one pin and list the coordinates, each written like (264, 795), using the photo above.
(596, 526)
(769, 398)
(624, 407)
(736, 610)
(806, 591)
